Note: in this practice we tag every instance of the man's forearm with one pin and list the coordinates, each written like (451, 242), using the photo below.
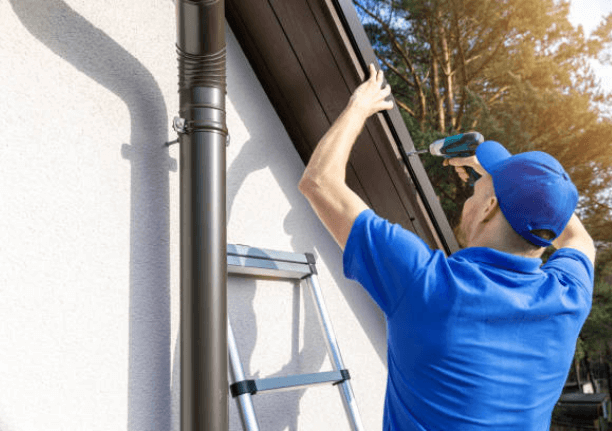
(330, 157)
(573, 230)
(324, 180)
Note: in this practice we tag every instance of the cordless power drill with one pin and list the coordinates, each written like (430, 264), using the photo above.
(463, 145)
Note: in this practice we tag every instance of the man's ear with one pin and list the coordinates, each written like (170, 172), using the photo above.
(490, 209)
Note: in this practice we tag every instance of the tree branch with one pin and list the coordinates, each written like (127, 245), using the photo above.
(497, 94)
(487, 60)
(405, 107)
(438, 102)
(395, 70)
(463, 67)
(446, 65)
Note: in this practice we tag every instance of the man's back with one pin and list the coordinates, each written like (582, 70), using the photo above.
(480, 340)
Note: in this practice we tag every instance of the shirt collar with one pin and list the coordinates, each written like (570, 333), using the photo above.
(499, 259)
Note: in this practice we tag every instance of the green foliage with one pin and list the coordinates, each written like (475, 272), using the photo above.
(596, 335)
(518, 72)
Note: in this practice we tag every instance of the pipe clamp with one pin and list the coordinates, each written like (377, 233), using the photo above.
(179, 125)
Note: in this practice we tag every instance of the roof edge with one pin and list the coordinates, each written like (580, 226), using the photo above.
(401, 137)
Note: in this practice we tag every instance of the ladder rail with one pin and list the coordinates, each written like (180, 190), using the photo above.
(245, 403)
(345, 388)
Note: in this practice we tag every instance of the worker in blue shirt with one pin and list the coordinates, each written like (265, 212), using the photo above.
(482, 339)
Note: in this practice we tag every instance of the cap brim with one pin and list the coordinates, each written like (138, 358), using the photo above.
(490, 154)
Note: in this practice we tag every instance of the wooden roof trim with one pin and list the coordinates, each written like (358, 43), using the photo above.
(292, 60)
(268, 80)
(303, 19)
(309, 61)
(354, 33)
(350, 66)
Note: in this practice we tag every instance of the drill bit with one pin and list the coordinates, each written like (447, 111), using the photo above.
(412, 153)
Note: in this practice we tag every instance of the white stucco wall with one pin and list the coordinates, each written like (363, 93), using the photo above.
(89, 268)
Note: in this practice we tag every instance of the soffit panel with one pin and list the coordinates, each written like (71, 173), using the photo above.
(302, 56)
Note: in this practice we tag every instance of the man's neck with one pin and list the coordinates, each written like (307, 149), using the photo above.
(531, 254)
(496, 236)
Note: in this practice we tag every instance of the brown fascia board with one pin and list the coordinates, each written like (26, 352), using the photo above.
(402, 142)
(309, 56)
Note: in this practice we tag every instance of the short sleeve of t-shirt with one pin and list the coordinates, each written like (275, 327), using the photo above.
(383, 257)
(571, 266)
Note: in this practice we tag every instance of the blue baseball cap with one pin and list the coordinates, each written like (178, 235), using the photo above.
(533, 190)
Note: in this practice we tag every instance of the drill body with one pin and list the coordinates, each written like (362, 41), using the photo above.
(463, 145)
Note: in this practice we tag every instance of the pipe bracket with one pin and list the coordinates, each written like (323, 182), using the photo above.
(183, 127)
(180, 125)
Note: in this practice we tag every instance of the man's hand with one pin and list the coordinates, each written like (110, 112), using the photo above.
(460, 163)
(370, 97)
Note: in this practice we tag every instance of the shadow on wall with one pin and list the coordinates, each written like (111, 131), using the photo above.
(306, 234)
(275, 411)
(94, 53)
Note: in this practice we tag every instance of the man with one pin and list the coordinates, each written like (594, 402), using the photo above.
(482, 339)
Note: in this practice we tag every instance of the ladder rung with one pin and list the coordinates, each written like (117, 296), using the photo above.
(266, 268)
(288, 382)
(268, 263)
(264, 253)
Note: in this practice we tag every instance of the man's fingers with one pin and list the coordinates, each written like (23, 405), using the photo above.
(462, 173)
(371, 96)
(372, 71)
(388, 104)
(376, 75)
(463, 161)
(460, 163)
(384, 94)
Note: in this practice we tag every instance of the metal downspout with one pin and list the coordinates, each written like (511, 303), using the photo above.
(202, 137)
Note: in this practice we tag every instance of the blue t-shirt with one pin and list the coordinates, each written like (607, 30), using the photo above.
(481, 340)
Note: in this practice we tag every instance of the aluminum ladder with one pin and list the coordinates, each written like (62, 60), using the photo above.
(258, 262)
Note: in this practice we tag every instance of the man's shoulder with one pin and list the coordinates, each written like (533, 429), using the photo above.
(571, 265)
(369, 226)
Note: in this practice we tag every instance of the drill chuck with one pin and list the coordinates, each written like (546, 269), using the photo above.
(435, 148)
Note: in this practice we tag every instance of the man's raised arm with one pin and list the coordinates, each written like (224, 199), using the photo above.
(576, 236)
(323, 182)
